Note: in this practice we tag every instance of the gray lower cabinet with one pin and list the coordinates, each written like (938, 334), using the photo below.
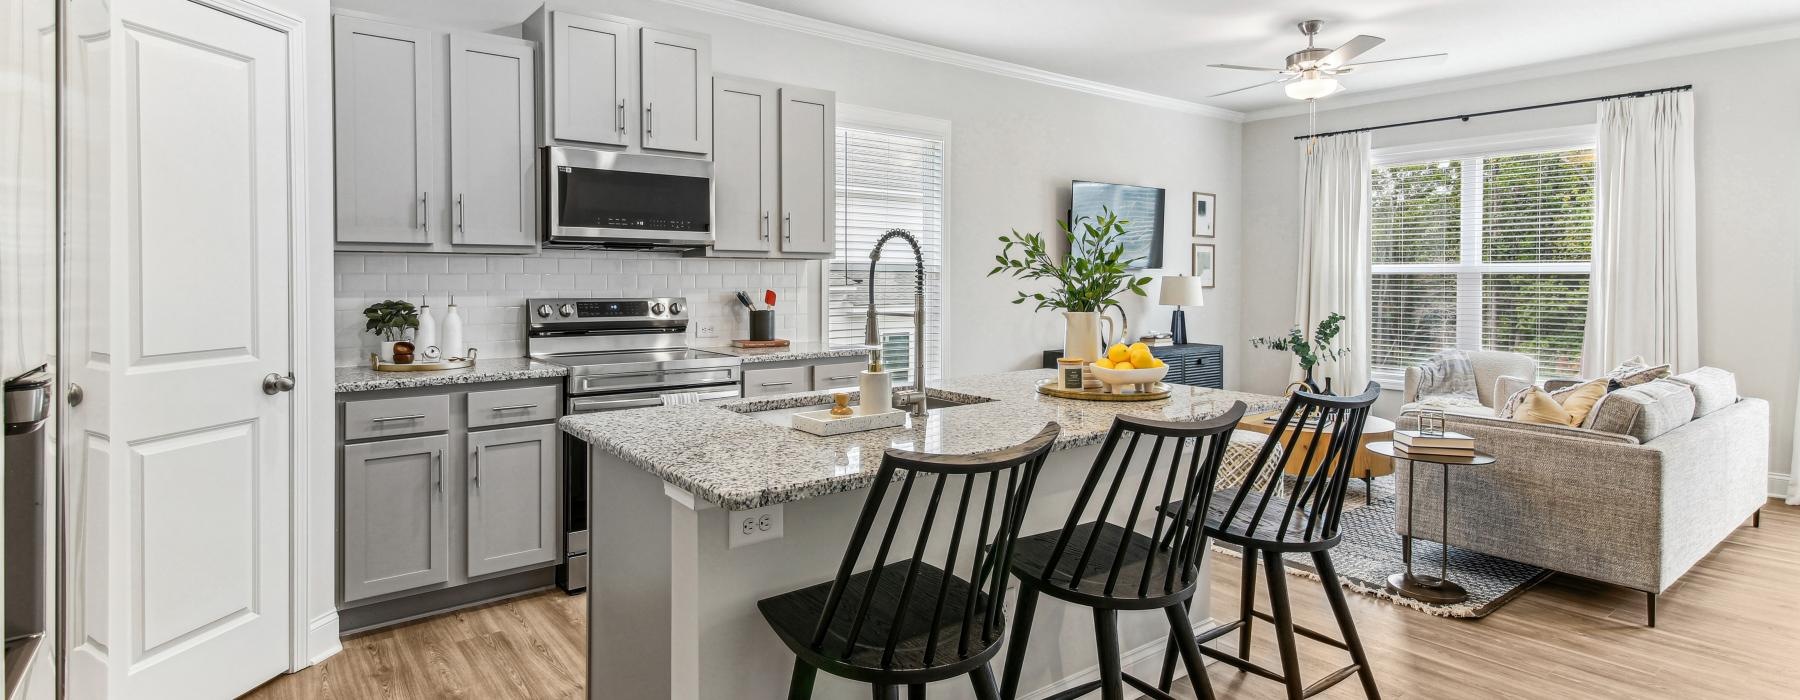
(512, 498)
(396, 525)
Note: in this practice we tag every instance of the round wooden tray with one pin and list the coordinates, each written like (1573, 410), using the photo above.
(1048, 387)
(376, 364)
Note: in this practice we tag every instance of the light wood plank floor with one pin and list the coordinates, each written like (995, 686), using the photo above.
(1729, 629)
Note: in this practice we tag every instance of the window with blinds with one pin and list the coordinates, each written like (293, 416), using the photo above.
(887, 180)
(1486, 250)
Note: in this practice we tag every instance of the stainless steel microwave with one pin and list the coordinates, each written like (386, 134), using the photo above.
(599, 199)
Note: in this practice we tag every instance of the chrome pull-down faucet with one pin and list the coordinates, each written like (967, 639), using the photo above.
(914, 398)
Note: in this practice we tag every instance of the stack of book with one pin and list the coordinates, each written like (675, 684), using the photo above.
(1446, 445)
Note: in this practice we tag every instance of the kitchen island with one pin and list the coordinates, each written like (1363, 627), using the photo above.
(672, 609)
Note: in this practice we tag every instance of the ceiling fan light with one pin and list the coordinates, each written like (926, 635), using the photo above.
(1312, 88)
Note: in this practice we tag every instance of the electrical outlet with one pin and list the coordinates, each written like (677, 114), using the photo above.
(755, 525)
(706, 329)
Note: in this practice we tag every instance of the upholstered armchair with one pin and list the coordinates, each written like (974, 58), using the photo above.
(1490, 366)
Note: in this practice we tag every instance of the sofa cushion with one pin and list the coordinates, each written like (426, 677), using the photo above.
(1713, 388)
(1569, 406)
(1644, 411)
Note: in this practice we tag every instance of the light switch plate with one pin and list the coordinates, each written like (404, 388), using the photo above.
(706, 329)
(748, 527)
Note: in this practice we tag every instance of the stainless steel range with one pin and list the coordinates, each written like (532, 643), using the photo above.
(621, 353)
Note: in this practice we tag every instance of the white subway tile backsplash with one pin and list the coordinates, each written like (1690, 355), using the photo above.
(491, 291)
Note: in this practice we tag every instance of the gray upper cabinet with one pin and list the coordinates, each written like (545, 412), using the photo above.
(676, 75)
(512, 498)
(808, 169)
(746, 169)
(388, 138)
(396, 531)
(589, 75)
(493, 200)
(436, 141)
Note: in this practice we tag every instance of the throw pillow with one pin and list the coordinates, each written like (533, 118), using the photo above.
(1568, 406)
(1633, 372)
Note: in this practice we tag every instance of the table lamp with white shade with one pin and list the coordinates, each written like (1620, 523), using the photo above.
(1179, 291)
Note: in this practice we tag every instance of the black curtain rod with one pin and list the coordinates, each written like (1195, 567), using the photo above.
(1489, 113)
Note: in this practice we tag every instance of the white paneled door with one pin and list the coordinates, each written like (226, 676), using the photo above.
(203, 207)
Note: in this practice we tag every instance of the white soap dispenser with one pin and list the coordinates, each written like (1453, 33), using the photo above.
(451, 335)
(427, 335)
(877, 387)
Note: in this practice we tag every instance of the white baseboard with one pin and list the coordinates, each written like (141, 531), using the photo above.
(1778, 485)
(1144, 662)
(322, 638)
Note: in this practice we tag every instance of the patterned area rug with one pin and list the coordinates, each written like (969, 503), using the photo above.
(1370, 552)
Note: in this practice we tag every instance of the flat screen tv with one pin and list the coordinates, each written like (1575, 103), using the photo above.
(1140, 207)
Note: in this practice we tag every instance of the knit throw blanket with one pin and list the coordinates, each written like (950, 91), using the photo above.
(1448, 377)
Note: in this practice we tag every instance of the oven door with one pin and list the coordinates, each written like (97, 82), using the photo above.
(600, 199)
(572, 576)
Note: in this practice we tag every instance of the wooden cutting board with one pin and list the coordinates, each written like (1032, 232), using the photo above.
(776, 343)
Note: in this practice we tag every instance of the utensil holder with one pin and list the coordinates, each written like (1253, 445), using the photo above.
(762, 324)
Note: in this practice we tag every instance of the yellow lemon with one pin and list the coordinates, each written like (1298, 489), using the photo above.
(1117, 353)
(1139, 356)
(1139, 346)
(1123, 366)
(1155, 363)
(1103, 363)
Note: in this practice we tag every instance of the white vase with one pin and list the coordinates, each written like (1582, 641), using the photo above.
(387, 350)
(1081, 334)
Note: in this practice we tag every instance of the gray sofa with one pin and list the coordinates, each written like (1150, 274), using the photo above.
(1636, 497)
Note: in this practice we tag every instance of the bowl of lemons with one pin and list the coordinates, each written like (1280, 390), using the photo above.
(1129, 366)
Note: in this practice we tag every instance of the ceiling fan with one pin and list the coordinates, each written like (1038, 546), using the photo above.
(1311, 73)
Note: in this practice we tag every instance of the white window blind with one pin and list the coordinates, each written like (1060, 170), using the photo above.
(1487, 250)
(886, 181)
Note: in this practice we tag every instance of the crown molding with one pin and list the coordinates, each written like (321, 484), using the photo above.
(1580, 64)
(758, 14)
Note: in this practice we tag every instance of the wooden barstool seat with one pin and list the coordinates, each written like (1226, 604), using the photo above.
(909, 622)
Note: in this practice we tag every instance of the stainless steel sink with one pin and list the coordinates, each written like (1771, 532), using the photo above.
(932, 402)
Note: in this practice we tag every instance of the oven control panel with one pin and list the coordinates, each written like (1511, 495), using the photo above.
(577, 310)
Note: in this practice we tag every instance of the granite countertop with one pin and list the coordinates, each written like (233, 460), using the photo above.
(361, 378)
(804, 350)
(738, 461)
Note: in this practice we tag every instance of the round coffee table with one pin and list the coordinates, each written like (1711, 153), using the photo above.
(1440, 589)
(1367, 466)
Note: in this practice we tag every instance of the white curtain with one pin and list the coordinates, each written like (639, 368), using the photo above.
(1334, 251)
(1793, 494)
(1642, 298)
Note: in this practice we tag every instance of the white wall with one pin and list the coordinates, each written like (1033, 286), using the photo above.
(1016, 146)
(491, 290)
(1748, 192)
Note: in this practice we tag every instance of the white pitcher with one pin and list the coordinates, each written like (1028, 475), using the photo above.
(1082, 337)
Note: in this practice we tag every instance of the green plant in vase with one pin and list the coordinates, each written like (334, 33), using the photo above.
(1310, 352)
(390, 320)
(1083, 284)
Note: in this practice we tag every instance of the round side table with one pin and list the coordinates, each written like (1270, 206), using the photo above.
(1439, 589)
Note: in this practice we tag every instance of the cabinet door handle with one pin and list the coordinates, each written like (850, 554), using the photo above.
(787, 226)
(460, 216)
(425, 211)
(515, 407)
(384, 419)
(649, 119)
(475, 465)
(437, 470)
(770, 384)
(765, 226)
(840, 379)
(621, 115)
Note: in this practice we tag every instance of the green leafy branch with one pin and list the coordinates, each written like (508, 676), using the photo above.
(1310, 352)
(1087, 279)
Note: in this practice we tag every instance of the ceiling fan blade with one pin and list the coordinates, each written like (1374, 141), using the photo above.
(1254, 68)
(1351, 49)
(1430, 58)
(1251, 87)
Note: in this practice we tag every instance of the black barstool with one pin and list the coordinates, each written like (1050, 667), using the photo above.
(909, 622)
(1095, 562)
(1267, 524)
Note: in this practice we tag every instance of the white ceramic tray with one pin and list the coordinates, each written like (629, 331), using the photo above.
(822, 423)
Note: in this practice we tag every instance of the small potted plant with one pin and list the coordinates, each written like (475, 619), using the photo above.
(390, 320)
(1310, 352)
(1085, 281)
